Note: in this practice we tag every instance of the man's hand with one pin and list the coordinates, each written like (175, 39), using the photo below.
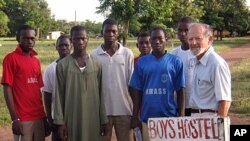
(135, 122)
(17, 128)
(104, 129)
(62, 132)
(47, 127)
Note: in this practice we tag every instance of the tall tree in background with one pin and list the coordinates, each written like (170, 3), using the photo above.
(32, 12)
(144, 13)
(236, 16)
(213, 15)
(186, 8)
(156, 12)
(3, 20)
(121, 10)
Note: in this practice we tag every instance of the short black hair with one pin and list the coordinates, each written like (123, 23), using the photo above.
(77, 28)
(21, 28)
(143, 34)
(109, 21)
(159, 28)
(62, 37)
(186, 19)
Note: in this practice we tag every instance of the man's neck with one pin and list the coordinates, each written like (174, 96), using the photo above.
(79, 54)
(184, 47)
(107, 46)
(159, 54)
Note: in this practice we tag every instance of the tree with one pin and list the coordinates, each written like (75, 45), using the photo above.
(3, 24)
(142, 13)
(186, 8)
(93, 28)
(32, 12)
(230, 15)
(122, 10)
(3, 20)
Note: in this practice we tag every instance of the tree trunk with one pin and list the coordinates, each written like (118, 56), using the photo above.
(125, 35)
(221, 35)
(217, 35)
(38, 33)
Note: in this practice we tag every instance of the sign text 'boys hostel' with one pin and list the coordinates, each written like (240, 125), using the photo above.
(189, 128)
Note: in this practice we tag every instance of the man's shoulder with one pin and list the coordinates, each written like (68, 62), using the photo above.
(125, 50)
(216, 58)
(51, 66)
(94, 51)
(176, 50)
(64, 61)
(10, 55)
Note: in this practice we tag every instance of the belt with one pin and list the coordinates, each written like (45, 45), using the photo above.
(202, 111)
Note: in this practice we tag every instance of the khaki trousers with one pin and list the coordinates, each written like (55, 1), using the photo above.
(32, 131)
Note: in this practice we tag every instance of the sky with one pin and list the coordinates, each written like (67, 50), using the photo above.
(85, 9)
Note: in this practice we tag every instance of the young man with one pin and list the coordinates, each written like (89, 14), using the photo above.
(117, 66)
(143, 45)
(63, 47)
(211, 93)
(79, 109)
(156, 78)
(187, 57)
(22, 81)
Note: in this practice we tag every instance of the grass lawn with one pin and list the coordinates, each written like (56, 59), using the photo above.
(47, 54)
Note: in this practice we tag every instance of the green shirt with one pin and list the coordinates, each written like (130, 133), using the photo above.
(78, 100)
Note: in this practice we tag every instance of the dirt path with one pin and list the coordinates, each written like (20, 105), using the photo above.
(232, 56)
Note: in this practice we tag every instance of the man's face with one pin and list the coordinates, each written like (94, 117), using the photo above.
(79, 40)
(198, 43)
(63, 47)
(182, 32)
(158, 41)
(27, 40)
(144, 45)
(110, 33)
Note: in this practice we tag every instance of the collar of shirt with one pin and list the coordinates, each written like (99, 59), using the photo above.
(204, 58)
(20, 51)
(101, 51)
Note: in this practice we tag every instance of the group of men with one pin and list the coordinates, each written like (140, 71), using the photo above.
(86, 95)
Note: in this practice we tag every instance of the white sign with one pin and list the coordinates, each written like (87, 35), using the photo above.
(189, 129)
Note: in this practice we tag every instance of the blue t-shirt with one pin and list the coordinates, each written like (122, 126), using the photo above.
(158, 78)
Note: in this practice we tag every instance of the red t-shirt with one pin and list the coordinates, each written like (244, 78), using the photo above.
(136, 60)
(23, 75)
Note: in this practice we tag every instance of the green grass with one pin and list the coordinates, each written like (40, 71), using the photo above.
(47, 54)
(241, 87)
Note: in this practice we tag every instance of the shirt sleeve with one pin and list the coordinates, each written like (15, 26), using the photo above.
(130, 65)
(9, 68)
(59, 96)
(180, 77)
(223, 82)
(136, 80)
(47, 81)
(40, 77)
(103, 116)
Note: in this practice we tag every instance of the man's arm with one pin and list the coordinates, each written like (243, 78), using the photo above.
(136, 96)
(8, 95)
(181, 101)
(47, 97)
(223, 108)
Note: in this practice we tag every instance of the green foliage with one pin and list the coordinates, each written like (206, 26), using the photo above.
(32, 12)
(3, 24)
(94, 29)
(185, 8)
